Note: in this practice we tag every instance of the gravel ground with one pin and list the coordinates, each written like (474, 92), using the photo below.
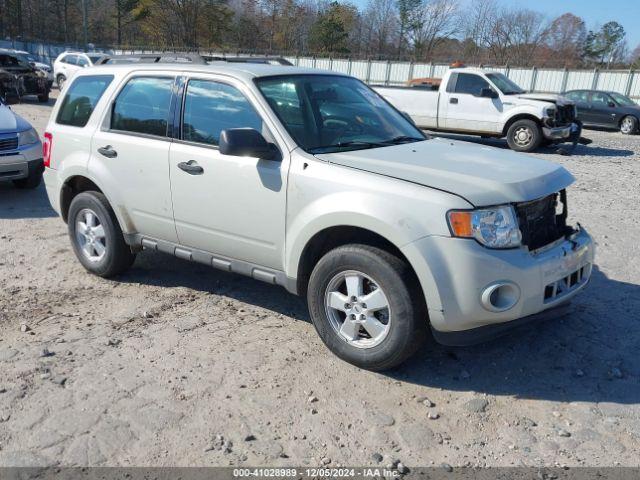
(177, 364)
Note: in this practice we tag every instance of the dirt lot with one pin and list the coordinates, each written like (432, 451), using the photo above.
(177, 364)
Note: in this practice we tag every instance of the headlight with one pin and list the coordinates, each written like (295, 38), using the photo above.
(28, 137)
(495, 227)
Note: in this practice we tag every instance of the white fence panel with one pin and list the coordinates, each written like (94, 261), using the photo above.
(521, 76)
(615, 81)
(340, 65)
(440, 70)
(378, 73)
(359, 69)
(399, 73)
(579, 79)
(421, 70)
(635, 87)
(323, 63)
(548, 80)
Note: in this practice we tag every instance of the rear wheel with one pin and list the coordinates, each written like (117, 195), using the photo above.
(629, 125)
(366, 306)
(96, 236)
(524, 136)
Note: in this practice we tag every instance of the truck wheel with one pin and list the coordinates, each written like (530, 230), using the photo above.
(367, 307)
(61, 79)
(30, 182)
(524, 136)
(629, 125)
(96, 236)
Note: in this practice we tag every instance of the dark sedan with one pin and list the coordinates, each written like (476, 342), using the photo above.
(606, 109)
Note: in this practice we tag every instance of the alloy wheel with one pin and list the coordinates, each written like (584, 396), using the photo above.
(90, 235)
(358, 309)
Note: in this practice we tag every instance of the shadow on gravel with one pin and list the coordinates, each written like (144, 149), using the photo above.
(162, 270)
(581, 150)
(16, 203)
(590, 355)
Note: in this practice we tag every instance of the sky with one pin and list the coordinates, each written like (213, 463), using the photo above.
(594, 12)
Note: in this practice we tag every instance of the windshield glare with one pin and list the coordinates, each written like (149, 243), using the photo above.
(505, 85)
(622, 100)
(330, 113)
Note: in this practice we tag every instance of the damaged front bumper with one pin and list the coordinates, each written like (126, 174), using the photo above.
(558, 133)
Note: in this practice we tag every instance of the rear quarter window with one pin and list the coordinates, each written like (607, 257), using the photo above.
(81, 98)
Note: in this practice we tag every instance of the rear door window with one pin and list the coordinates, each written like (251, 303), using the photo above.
(81, 98)
(211, 107)
(143, 106)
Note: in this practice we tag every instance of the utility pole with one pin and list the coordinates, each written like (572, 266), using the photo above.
(84, 23)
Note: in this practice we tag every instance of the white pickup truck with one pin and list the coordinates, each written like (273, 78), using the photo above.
(472, 101)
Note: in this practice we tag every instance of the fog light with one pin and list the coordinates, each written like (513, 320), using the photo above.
(500, 296)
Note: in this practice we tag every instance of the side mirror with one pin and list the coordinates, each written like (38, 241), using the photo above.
(611, 104)
(488, 92)
(246, 142)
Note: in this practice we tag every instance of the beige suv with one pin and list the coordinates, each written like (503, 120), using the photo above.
(311, 180)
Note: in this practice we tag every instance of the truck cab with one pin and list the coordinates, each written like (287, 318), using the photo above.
(477, 102)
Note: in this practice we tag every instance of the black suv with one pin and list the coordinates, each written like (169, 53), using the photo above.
(606, 109)
(18, 79)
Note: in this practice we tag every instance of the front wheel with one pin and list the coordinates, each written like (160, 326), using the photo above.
(96, 236)
(629, 125)
(61, 81)
(366, 306)
(524, 136)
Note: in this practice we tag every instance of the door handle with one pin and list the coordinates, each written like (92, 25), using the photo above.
(108, 151)
(453, 100)
(191, 167)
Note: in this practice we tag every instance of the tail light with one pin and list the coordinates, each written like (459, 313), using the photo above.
(46, 149)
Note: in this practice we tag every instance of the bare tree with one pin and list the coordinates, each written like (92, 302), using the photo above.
(565, 40)
(435, 23)
(516, 36)
(380, 26)
(478, 22)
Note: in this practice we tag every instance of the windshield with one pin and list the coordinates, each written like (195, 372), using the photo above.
(623, 100)
(9, 61)
(330, 113)
(505, 85)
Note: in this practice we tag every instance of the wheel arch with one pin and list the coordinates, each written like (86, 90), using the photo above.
(78, 183)
(520, 116)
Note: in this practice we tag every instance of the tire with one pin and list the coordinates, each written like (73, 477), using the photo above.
(113, 256)
(60, 80)
(32, 181)
(629, 125)
(392, 342)
(524, 136)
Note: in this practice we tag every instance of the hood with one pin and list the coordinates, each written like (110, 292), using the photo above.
(482, 175)
(10, 122)
(547, 97)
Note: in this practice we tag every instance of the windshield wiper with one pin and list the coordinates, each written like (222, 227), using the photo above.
(403, 139)
(351, 143)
